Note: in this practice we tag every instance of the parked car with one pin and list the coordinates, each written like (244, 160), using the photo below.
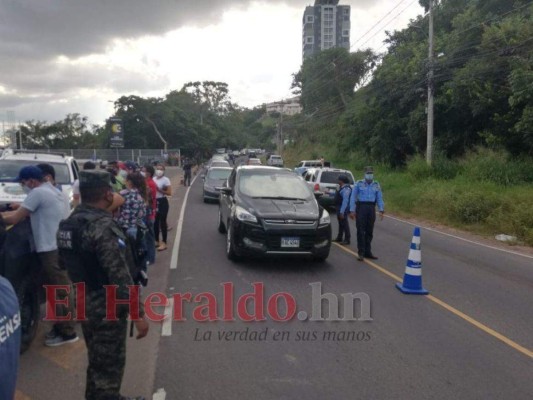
(271, 211)
(254, 161)
(213, 180)
(304, 165)
(275, 161)
(325, 180)
(12, 161)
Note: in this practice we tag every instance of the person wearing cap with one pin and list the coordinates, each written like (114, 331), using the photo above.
(342, 205)
(45, 206)
(100, 257)
(366, 195)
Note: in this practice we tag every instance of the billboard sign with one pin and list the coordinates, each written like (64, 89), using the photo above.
(117, 133)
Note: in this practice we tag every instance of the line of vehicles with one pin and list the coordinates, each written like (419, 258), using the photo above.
(268, 210)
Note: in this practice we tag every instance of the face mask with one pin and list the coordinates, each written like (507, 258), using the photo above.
(143, 174)
(26, 189)
(159, 173)
(123, 174)
(369, 177)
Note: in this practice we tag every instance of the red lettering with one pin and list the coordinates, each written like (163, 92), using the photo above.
(178, 305)
(258, 301)
(52, 302)
(132, 301)
(157, 300)
(228, 302)
(208, 311)
(290, 304)
(80, 301)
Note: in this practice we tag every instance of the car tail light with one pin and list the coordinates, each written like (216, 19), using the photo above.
(317, 187)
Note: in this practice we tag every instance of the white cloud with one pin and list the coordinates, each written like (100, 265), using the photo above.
(254, 49)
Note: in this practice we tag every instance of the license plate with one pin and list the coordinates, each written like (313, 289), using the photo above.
(290, 242)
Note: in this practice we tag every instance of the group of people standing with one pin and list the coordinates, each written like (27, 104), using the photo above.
(359, 203)
(112, 208)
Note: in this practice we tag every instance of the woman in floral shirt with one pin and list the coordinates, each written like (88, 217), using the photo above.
(133, 211)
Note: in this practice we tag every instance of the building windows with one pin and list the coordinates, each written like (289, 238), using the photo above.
(310, 40)
(310, 19)
(345, 32)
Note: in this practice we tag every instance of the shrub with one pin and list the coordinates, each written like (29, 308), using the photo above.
(473, 206)
(498, 167)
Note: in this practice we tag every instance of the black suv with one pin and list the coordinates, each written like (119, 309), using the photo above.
(271, 211)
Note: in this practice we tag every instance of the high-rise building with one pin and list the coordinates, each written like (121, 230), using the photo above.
(325, 25)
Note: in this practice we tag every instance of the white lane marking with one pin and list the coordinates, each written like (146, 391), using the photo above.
(160, 395)
(166, 330)
(460, 238)
(177, 239)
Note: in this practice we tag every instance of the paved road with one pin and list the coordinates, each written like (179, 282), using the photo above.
(470, 339)
(414, 348)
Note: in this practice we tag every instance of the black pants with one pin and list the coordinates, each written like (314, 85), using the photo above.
(161, 219)
(364, 221)
(344, 227)
(187, 178)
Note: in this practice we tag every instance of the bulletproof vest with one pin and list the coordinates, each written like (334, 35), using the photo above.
(82, 265)
(338, 197)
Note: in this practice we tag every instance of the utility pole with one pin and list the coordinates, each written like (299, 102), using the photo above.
(429, 150)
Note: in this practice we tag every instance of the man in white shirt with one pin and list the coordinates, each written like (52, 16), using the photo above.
(46, 208)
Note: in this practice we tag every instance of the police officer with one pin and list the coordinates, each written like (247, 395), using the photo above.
(342, 205)
(10, 332)
(93, 249)
(366, 194)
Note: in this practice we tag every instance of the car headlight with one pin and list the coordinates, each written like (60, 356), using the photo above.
(325, 219)
(244, 216)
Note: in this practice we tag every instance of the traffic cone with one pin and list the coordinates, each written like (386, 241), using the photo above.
(412, 280)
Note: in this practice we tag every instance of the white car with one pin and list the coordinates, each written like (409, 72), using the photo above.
(12, 161)
(254, 161)
(275, 161)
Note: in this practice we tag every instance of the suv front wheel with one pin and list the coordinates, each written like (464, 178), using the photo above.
(230, 245)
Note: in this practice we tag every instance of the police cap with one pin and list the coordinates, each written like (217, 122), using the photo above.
(369, 169)
(94, 179)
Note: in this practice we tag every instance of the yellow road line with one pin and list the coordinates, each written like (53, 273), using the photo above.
(451, 309)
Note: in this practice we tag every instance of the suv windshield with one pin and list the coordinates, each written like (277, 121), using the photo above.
(219, 174)
(9, 170)
(271, 184)
(332, 177)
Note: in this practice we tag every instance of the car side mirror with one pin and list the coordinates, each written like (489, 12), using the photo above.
(225, 190)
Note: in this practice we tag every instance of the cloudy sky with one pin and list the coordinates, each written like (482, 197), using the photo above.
(64, 56)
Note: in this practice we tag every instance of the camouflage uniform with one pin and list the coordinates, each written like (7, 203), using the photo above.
(105, 340)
